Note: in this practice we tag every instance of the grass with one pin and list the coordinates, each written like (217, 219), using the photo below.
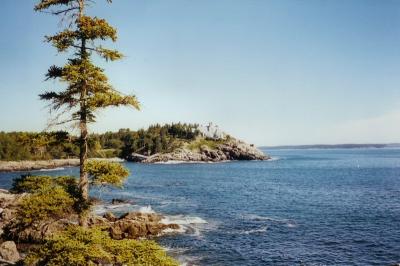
(199, 142)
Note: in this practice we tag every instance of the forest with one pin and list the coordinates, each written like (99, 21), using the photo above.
(15, 146)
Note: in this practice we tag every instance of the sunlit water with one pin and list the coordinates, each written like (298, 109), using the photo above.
(305, 207)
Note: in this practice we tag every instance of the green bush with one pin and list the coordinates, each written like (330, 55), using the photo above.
(81, 246)
(32, 184)
(197, 144)
(103, 173)
(47, 203)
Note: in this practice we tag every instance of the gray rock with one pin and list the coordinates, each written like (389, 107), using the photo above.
(9, 252)
(231, 149)
(136, 157)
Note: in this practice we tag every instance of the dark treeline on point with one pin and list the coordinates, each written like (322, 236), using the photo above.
(157, 138)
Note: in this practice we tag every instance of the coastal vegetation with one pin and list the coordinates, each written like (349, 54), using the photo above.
(15, 146)
(83, 246)
(86, 88)
(55, 212)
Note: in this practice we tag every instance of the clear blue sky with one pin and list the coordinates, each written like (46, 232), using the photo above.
(269, 72)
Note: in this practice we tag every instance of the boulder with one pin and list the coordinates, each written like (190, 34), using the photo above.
(110, 216)
(136, 157)
(95, 220)
(120, 201)
(135, 225)
(9, 252)
(36, 232)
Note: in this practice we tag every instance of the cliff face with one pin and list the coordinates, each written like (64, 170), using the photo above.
(227, 150)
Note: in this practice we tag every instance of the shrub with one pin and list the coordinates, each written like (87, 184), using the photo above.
(197, 144)
(81, 246)
(45, 204)
(106, 173)
(32, 184)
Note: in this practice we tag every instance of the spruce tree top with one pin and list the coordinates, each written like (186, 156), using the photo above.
(87, 87)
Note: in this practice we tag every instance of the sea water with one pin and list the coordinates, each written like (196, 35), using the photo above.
(304, 207)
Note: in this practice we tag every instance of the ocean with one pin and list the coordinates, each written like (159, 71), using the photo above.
(303, 207)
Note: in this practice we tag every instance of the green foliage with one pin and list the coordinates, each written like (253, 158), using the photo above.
(80, 246)
(155, 139)
(33, 184)
(103, 173)
(197, 144)
(44, 204)
(87, 87)
(30, 184)
(37, 146)
(49, 198)
(50, 3)
(60, 145)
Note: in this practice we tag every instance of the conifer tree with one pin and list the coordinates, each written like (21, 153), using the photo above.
(87, 88)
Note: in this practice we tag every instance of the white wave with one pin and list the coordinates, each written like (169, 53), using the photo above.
(122, 207)
(192, 225)
(187, 224)
(254, 231)
(52, 169)
(188, 260)
(287, 222)
(118, 206)
(183, 220)
(274, 158)
(181, 257)
(291, 225)
(146, 209)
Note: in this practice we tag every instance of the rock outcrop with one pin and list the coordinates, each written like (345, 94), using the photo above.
(131, 225)
(8, 207)
(229, 150)
(135, 225)
(136, 157)
(9, 252)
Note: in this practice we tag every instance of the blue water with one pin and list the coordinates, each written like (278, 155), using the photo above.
(306, 207)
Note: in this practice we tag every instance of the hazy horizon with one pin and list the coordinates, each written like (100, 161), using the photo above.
(269, 72)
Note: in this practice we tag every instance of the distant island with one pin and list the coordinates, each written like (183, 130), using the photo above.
(335, 146)
(177, 142)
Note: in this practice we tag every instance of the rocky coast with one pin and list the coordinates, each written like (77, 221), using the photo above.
(227, 150)
(14, 241)
(14, 166)
(197, 151)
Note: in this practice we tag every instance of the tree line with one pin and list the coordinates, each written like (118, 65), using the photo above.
(157, 138)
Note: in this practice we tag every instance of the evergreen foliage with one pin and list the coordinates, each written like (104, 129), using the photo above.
(86, 89)
(103, 173)
(49, 203)
(37, 146)
(82, 246)
(50, 198)
(59, 145)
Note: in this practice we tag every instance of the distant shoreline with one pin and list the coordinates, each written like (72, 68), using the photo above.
(333, 146)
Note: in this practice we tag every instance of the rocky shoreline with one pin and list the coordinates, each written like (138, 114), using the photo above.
(131, 225)
(230, 150)
(15, 166)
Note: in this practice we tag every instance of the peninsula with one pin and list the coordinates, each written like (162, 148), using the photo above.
(169, 143)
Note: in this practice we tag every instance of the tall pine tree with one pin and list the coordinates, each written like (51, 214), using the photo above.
(87, 87)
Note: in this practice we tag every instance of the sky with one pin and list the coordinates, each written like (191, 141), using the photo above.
(269, 72)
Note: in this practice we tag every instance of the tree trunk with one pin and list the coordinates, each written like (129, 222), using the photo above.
(83, 144)
(83, 177)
